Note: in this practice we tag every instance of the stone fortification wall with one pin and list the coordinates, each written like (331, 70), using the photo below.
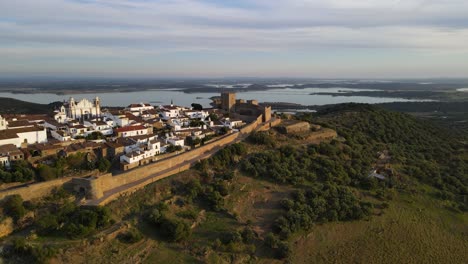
(292, 126)
(36, 190)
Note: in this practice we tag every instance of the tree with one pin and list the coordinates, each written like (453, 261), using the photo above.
(47, 173)
(223, 130)
(14, 207)
(175, 230)
(283, 250)
(103, 165)
(95, 135)
(197, 107)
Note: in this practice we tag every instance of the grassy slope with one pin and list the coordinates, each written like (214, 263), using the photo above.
(414, 229)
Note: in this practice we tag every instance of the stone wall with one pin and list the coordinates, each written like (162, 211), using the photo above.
(292, 126)
(36, 190)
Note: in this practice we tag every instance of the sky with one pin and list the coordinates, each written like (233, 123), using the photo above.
(227, 38)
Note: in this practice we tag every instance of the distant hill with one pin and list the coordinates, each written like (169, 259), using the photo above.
(14, 106)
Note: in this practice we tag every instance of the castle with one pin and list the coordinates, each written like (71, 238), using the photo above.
(242, 108)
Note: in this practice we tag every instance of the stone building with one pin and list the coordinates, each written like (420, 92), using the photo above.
(228, 101)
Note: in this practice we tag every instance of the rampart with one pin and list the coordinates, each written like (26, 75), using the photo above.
(37, 190)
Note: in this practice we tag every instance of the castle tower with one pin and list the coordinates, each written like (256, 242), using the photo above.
(228, 101)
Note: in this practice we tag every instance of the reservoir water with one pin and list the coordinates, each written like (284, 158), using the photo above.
(157, 97)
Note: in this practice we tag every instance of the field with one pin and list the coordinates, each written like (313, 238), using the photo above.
(414, 229)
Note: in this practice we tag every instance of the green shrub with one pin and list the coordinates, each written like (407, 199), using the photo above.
(14, 207)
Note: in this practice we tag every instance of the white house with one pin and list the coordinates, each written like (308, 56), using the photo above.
(130, 131)
(170, 111)
(119, 119)
(176, 141)
(142, 149)
(232, 123)
(99, 126)
(139, 107)
(8, 153)
(60, 135)
(78, 130)
(195, 114)
(25, 135)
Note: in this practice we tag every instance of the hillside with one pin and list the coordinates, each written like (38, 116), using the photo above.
(14, 106)
(281, 199)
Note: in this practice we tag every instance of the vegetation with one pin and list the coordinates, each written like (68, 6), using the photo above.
(419, 149)
(196, 123)
(95, 136)
(14, 207)
(67, 219)
(262, 138)
(172, 148)
(131, 236)
(322, 203)
(197, 107)
(34, 253)
(20, 171)
(172, 229)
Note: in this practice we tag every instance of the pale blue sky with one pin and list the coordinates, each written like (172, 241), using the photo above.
(215, 38)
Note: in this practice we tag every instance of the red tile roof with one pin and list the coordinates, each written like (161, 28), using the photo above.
(130, 128)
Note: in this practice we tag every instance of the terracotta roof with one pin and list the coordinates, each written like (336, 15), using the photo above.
(9, 148)
(13, 133)
(113, 144)
(19, 123)
(139, 105)
(7, 134)
(125, 141)
(170, 107)
(130, 128)
(54, 122)
(100, 123)
(78, 126)
(44, 146)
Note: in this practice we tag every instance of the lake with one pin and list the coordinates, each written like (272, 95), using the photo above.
(157, 97)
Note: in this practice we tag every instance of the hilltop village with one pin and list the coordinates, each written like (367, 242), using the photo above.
(132, 135)
(117, 139)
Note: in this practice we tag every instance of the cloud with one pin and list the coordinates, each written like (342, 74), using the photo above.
(124, 28)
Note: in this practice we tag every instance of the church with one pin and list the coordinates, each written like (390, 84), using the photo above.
(83, 109)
